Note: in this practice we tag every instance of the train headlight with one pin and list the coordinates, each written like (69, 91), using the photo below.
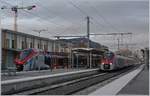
(110, 63)
(103, 63)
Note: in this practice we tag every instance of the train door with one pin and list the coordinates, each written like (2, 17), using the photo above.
(28, 65)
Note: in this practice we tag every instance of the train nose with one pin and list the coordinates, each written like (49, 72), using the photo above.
(18, 62)
(106, 66)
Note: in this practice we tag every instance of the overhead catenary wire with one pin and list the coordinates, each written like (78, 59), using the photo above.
(44, 18)
(75, 6)
(56, 14)
(104, 19)
(35, 15)
(12, 6)
(81, 11)
(52, 12)
(84, 13)
(100, 16)
(66, 29)
(63, 30)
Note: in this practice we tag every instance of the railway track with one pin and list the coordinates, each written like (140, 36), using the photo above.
(73, 86)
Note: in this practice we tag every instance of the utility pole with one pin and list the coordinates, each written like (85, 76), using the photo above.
(15, 10)
(15, 18)
(88, 31)
(118, 43)
(88, 43)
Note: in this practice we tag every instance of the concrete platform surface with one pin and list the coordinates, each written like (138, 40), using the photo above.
(135, 82)
(139, 85)
(24, 74)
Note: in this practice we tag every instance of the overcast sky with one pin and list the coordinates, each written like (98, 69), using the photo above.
(68, 17)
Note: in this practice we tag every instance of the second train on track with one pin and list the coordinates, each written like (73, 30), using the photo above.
(112, 61)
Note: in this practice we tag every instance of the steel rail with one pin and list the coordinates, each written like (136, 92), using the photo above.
(70, 87)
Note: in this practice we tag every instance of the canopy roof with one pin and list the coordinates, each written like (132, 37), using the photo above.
(88, 50)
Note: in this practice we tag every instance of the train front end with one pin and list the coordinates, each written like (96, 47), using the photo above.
(23, 57)
(107, 62)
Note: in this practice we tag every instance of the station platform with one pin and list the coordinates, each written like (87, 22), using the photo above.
(25, 74)
(139, 85)
(133, 83)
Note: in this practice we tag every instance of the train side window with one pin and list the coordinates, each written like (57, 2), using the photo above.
(109, 55)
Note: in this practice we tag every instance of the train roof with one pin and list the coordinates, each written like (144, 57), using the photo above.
(124, 57)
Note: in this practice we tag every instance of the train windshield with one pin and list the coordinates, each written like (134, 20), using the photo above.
(109, 55)
(24, 54)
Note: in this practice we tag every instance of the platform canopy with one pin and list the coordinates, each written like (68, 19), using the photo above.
(89, 50)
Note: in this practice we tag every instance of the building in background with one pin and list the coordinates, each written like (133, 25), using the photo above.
(10, 49)
(14, 42)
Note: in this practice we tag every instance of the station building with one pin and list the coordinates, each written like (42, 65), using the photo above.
(14, 42)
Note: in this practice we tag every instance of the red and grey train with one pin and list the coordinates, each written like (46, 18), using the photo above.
(112, 61)
(33, 59)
